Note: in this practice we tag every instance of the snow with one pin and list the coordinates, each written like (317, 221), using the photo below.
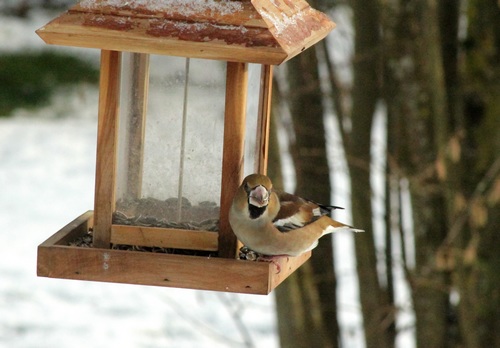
(189, 7)
(22, 31)
(187, 27)
(281, 23)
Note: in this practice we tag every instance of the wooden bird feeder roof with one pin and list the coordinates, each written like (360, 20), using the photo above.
(251, 31)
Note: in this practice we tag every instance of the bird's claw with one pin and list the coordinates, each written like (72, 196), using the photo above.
(272, 259)
(248, 254)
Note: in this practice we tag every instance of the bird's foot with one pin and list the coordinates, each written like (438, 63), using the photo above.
(271, 258)
(248, 254)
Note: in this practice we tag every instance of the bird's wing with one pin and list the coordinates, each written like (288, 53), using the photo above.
(295, 211)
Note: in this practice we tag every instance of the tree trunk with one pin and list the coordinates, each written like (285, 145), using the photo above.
(365, 94)
(308, 297)
(430, 281)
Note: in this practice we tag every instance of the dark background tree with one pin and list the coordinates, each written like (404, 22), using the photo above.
(307, 303)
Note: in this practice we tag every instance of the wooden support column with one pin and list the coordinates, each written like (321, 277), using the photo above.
(138, 102)
(107, 136)
(265, 98)
(233, 151)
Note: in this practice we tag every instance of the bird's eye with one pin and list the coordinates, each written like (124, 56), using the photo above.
(247, 188)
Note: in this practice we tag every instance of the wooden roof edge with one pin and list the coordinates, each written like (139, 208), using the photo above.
(68, 30)
(304, 33)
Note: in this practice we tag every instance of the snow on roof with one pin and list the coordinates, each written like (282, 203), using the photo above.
(190, 6)
(283, 22)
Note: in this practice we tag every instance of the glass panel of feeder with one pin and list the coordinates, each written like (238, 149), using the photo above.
(254, 74)
(182, 156)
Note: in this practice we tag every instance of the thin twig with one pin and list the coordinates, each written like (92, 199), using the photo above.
(480, 189)
(200, 325)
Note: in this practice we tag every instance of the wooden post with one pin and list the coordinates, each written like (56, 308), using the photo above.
(233, 151)
(138, 97)
(265, 97)
(107, 135)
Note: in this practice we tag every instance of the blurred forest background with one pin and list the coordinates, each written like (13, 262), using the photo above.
(428, 71)
(431, 70)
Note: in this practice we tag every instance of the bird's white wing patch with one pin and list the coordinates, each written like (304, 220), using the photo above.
(289, 223)
(317, 211)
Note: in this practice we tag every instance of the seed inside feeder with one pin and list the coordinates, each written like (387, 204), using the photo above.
(152, 212)
(85, 241)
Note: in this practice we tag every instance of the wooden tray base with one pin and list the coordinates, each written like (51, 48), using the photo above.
(56, 259)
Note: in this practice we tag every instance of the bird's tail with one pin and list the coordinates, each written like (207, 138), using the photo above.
(335, 226)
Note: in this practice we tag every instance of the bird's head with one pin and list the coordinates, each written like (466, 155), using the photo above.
(258, 189)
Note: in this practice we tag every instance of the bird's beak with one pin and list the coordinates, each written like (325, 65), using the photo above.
(259, 196)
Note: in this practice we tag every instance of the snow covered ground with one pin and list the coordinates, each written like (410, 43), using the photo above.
(47, 160)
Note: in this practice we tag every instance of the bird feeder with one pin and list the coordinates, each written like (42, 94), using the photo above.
(172, 151)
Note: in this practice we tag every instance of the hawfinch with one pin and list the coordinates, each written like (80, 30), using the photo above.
(268, 221)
